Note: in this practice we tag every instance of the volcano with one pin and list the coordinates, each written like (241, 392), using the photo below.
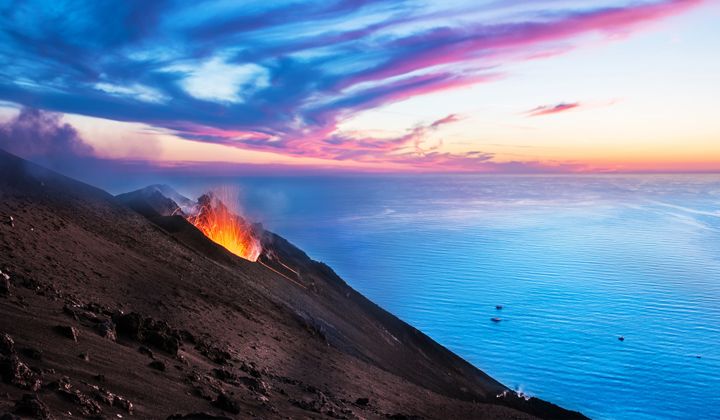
(123, 307)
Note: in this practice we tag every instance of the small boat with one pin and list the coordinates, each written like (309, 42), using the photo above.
(496, 319)
(498, 307)
(621, 338)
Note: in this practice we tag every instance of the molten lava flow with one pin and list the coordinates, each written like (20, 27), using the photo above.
(226, 228)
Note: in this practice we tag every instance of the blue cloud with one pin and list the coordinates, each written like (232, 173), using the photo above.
(288, 71)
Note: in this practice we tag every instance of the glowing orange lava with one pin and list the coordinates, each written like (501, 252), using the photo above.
(226, 228)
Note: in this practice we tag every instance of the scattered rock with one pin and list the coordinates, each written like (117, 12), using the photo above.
(495, 319)
(498, 307)
(158, 365)
(226, 403)
(31, 353)
(362, 401)
(87, 405)
(15, 372)
(67, 331)
(621, 338)
(31, 406)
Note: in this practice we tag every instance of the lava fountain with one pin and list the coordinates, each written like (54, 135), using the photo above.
(226, 228)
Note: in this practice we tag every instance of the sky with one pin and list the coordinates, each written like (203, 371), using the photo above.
(498, 86)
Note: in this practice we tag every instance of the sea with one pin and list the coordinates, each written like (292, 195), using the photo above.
(577, 263)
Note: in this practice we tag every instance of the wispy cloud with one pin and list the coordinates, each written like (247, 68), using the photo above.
(552, 109)
(280, 76)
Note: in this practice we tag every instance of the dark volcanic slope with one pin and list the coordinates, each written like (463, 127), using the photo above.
(173, 323)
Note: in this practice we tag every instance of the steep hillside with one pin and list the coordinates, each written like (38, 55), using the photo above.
(108, 308)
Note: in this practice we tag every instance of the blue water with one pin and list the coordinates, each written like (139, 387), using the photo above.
(577, 261)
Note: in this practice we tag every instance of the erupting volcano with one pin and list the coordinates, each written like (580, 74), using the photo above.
(223, 226)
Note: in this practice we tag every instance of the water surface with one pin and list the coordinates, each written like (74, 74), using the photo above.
(575, 261)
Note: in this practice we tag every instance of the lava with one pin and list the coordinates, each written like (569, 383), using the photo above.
(226, 228)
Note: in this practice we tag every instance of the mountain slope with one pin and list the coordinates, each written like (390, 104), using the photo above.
(174, 323)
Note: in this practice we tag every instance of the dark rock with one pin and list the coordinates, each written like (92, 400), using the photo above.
(362, 401)
(10, 221)
(17, 373)
(148, 331)
(8, 416)
(213, 353)
(84, 356)
(100, 378)
(123, 404)
(103, 395)
(250, 368)
(399, 416)
(226, 403)
(163, 341)
(225, 375)
(158, 365)
(87, 405)
(106, 329)
(31, 353)
(31, 406)
(256, 385)
(187, 336)
(7, 344)
(129, 325)
(71, 311)
(67, 331)
(196, 416)
(62, 384)
(5, 286)
(146, 351)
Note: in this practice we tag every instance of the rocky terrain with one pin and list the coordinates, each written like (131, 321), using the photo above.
(115, 307)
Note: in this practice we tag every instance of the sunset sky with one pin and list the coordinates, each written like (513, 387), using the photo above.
(426, 86)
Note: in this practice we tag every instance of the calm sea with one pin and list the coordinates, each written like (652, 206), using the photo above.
(576, 262)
